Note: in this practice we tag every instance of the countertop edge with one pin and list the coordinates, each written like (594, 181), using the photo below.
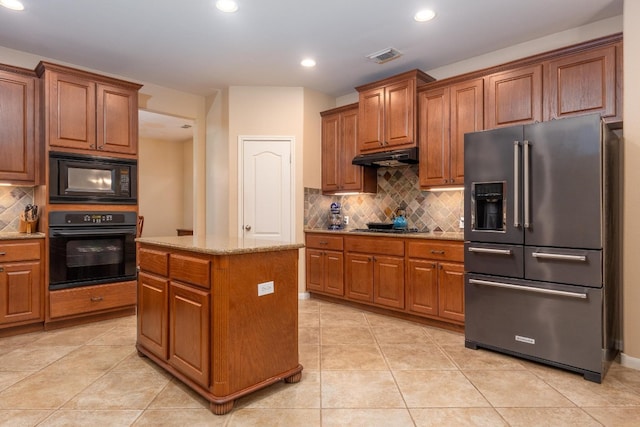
(432, 235)
(14, 235)
(217, 246)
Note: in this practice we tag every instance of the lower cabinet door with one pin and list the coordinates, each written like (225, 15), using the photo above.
(153, 314)
(20, 288)
(451, 291)
(189, 331)
(388, 281)
(334, 273)
(422, 287)
(315, 269)
(359, 277)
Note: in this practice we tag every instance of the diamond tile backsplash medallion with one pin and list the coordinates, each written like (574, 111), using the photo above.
(398, 187)
(12, 203)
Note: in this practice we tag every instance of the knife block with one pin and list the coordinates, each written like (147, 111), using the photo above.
(28, 226)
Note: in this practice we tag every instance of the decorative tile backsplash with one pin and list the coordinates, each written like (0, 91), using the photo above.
(398, 187)
(12, 203)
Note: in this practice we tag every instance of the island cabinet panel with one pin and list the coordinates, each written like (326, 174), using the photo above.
(154, 261)
(18, 115)
(153, 318)
(225, 335)
(189, 321)
(581, 84)
(513, 97)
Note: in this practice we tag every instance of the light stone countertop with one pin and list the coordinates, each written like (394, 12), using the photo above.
(218, 245)
(14, 235)
(432, 235)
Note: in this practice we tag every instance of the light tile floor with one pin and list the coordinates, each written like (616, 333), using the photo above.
(361, 369)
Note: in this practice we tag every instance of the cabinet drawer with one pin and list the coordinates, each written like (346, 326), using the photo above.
(321, 241)
(375, 245)
(190, 269)
(87, 299)
(436, 250)
(21, 251)
(154, 261)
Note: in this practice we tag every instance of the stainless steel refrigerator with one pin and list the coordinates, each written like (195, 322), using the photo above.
(542, 230)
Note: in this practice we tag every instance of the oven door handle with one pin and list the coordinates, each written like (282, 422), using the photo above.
(93, 233)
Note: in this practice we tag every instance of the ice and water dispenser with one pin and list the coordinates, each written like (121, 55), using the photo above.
(489, 206)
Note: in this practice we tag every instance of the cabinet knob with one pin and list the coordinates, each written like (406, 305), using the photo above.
(1, 269)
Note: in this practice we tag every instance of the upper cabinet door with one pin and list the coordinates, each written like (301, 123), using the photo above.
(117, 119)
(72, 111)
(433, 139)
(17, 127)
(513, 97)
(399, 113)
(331, 152)
(351, 175)
(581, 84)
(371, 119)
(467, 113)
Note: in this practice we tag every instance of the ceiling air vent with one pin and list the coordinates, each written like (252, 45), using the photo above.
(385, 55)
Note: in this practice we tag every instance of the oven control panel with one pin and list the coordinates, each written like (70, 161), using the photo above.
(92, 218)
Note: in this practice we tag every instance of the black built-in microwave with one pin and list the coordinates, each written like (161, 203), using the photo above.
(79, 178)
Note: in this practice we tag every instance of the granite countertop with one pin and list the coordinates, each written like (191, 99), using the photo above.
(14, 235)
(219, 245)
(434, 235)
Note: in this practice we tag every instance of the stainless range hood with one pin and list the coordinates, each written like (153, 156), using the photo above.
(388, 158)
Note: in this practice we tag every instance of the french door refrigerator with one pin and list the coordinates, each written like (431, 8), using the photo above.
(542, 259)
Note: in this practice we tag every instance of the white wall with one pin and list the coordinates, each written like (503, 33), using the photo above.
(631, 210)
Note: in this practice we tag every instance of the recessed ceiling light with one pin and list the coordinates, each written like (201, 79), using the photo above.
(308, 62)
(424, 15)
(228, 6)
(12, 4)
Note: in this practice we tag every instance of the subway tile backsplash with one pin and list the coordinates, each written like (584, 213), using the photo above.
(12, 203)
(397, 187)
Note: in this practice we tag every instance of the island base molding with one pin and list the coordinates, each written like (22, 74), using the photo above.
(221, 405)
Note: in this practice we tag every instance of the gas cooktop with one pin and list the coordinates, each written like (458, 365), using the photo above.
(389, 230)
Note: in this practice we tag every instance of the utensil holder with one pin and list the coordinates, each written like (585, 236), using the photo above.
(28, 226)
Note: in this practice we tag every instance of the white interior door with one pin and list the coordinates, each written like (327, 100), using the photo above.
(266, 188)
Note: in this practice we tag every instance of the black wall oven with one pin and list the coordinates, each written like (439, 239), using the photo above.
(81, 178)
(89, 248)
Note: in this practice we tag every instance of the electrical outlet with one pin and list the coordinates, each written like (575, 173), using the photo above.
(461, 223)
(345, 219)
(265, 288)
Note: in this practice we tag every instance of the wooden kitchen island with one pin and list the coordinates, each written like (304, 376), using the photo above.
(220, 314)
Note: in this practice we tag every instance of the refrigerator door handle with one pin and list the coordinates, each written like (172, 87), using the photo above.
(516, 184)
(490, 251)
(527, 219)
(528, 289)
(561, 257)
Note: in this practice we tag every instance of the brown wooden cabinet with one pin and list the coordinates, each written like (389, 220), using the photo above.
(513, 97)
(387, 112)
(18, 126)
(339, 147)
(445, 114)
(21, 282)
(202, 317)
(435, 279)
(89, 112)
(374, 270)
(325, 264)
(583, 83)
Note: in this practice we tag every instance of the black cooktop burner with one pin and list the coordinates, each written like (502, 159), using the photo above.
(388, 230)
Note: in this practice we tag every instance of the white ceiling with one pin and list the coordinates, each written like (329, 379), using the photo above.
(190, 46)
(163, 127)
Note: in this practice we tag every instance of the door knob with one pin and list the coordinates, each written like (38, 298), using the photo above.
(247, 227)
